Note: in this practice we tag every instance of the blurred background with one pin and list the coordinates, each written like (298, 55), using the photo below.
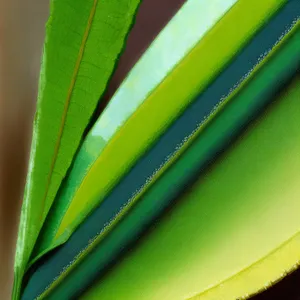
(21, 38)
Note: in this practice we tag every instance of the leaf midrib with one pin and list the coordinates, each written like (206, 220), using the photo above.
(67, 103)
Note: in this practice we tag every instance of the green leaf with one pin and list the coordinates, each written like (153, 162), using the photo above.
(82, 45)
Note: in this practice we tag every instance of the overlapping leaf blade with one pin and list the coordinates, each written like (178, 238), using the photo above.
(155, 198)
(281, 67)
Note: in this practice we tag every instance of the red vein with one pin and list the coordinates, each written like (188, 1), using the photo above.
(67, 104)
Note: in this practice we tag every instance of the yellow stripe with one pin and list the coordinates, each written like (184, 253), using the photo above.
(259, 276)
